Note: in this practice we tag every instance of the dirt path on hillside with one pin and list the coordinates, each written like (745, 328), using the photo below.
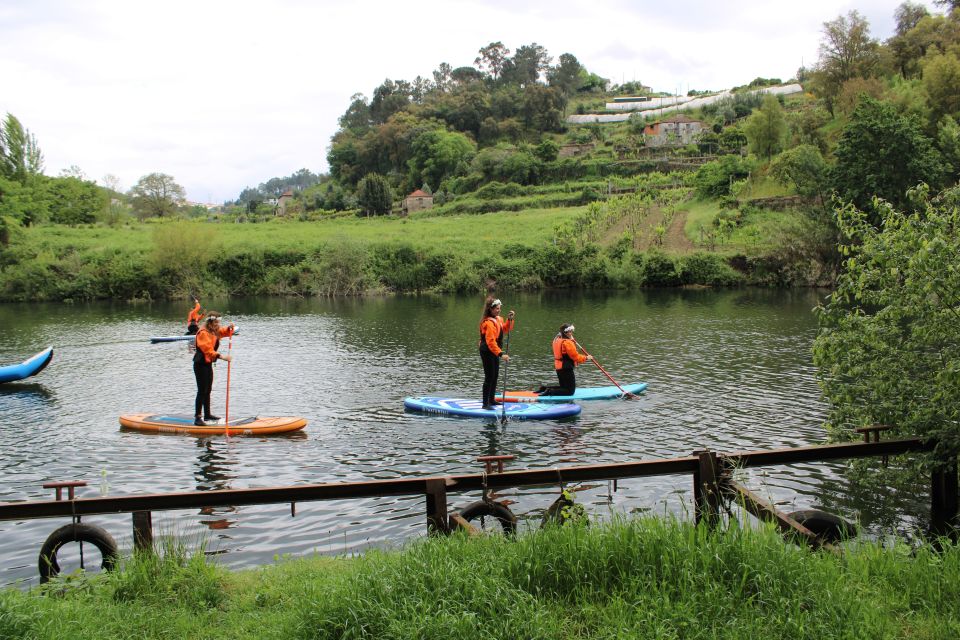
(674, 240)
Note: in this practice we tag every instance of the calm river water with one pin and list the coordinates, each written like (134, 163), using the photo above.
(727, 370)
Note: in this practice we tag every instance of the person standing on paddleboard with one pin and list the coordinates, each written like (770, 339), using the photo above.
(492, 328)
(207, 343)
(193, 318)
(565, 359)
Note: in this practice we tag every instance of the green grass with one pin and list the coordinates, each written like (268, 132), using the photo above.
(759, 231)
(632, 579)
(471, 233)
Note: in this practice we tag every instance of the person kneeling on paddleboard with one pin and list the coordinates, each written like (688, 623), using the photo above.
(492, 328)
(565, 359)
(193, 318)
(207, 343)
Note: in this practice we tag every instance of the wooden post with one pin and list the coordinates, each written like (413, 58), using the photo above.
(706, 489)
(944, 504)
(143, 531)
(436, 491)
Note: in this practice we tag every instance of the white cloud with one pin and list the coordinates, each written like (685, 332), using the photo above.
(226, 94)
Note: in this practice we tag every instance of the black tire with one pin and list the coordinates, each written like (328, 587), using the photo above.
(826, 526)
(100, 538)
(481, 511)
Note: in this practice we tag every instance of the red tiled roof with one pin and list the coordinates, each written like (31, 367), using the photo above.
(419, 194)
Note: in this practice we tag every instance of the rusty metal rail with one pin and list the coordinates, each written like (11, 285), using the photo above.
(706, 468)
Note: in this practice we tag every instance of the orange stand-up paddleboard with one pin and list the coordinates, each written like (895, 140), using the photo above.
(183, 424)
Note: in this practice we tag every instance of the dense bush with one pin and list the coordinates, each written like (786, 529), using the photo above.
(659, 270)
(708, 269)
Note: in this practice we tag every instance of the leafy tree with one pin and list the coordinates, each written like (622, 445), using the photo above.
(881, 153)
(20, 155)
(357, 115)
(527, 64)
(766, 128)
(853, 89)
(803, 168)
(437, 154)
(948, 140)
(465, 75)
(806, 128)
(374, 196)
(75, 201)
(567, 75)
(156, 194)
(908, 15)
(888, 347)
(441, 77)
(904, 45)
(846, 51)
(713, 179)
(543, 108)
(492, 58)
(389, 98)
(547, 150)
(941, 79)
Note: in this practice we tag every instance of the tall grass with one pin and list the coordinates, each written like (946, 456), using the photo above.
(647, 578)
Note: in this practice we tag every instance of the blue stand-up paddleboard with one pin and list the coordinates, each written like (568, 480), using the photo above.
(474, 409)
(29, 367)
(582, 393)
(156, 339)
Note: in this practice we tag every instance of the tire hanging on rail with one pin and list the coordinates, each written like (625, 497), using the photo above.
(76, 532)
(482, 509)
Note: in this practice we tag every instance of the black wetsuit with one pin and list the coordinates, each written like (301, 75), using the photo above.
(491, 367)
(203, 371)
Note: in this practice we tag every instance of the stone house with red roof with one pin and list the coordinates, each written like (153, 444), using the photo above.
(417, 201)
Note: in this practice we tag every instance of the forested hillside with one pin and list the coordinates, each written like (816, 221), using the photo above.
(751, 198)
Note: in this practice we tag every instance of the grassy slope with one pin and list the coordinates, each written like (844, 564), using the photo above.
(468, 233)
(637, 579)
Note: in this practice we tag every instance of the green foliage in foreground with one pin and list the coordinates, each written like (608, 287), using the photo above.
(637, 579)
(888, 350)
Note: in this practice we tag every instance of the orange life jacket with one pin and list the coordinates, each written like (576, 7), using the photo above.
(207, 343)
(565, 354)
(492, 329)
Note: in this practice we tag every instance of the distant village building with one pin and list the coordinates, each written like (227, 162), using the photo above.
(417, 201)
(280, 208)
(676, 130)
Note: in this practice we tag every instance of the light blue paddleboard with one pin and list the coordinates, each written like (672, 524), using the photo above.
(582, 393)
(156, 339)
(473, 409)
(29, 367)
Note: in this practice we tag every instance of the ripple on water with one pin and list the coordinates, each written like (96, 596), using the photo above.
(727, 370)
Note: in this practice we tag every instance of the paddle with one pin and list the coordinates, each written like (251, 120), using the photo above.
(226, 413)
(503, 396)
(594, 361)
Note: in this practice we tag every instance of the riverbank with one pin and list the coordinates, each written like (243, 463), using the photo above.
(346, 256)
(646, 578)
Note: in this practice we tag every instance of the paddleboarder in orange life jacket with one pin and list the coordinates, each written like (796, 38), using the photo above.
(208, 342)
(193, 318)
(565, 359)
(492, 328)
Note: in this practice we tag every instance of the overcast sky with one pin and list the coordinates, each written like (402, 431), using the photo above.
(228, 94)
